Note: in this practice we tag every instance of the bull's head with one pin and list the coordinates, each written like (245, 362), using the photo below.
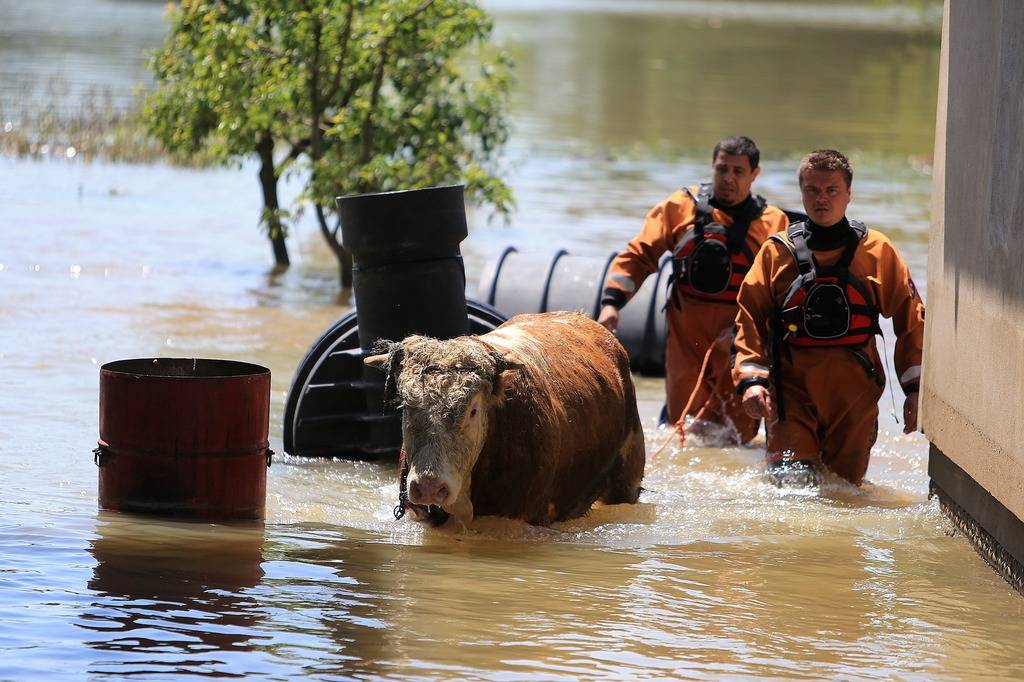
(448, 391)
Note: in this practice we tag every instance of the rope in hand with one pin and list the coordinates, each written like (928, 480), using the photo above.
(676, 431)
(679, 430)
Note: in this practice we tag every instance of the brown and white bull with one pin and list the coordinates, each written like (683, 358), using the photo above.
(535, 421)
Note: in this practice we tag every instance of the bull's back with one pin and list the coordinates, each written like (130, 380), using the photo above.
(558, 434)
(563, 346)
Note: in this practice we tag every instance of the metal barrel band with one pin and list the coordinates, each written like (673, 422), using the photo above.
(375, 265)
(105, 450)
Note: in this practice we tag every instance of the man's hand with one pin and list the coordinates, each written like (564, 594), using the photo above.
(910, 413)
(609, 317)
(757, 402)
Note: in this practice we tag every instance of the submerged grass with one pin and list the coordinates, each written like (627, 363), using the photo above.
(85, 128)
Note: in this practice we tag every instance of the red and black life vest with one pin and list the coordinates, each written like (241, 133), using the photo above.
(709, 262)
(826, 305)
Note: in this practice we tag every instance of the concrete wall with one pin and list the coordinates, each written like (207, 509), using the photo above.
(973, 386)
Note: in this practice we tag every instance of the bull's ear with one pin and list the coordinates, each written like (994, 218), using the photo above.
(388, 359)
(505, 361)
(506, 367)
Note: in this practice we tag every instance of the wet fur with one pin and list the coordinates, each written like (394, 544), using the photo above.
(563, 428)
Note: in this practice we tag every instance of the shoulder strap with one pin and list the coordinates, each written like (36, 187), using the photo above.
(797, 233)
(857, 233)
(802, 276)
(737, 232)
(702, 206)
(704, 199)
(762, 204)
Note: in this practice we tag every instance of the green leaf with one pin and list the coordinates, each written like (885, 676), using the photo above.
(371, 93)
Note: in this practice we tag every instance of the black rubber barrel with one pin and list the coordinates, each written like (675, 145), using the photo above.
(516, 282)
(407, 277)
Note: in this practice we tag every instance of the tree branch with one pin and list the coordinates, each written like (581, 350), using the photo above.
(346, 36)
(378, 80)
(297, 149)
(416, 12)
(330, 235)
(316, 147)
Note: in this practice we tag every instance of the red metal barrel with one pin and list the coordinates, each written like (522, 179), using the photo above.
(184, 436)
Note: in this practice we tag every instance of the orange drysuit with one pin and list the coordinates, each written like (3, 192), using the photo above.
(714, 399)
(693, 323)
(830, 393)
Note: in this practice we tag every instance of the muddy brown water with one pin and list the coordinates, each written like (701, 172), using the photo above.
(714, 575)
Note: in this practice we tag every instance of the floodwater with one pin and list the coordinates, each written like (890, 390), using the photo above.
(714, 575)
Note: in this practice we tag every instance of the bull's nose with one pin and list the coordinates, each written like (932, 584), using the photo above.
(428, 490)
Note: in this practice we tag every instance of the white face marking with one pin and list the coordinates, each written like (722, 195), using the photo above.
(441, 466)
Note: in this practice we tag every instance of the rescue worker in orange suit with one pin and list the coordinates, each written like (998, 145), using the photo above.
(805, 353)
(713, 231)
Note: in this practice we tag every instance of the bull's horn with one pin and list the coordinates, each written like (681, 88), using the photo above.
(376, 361)
(384, 349)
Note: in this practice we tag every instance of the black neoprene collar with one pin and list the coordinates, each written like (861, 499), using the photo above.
(821, 238)
(747, 204)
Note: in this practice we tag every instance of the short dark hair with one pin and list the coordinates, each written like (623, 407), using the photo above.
(739, 144)
(826, 160)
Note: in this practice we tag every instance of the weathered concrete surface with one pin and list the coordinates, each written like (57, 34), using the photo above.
(973, 384)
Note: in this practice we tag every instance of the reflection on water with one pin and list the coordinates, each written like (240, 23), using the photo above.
(171, 596)
(715, 574)
(590, 600)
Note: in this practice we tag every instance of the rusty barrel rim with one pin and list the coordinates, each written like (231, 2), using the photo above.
(174, 368)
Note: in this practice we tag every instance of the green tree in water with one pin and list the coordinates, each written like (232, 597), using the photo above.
(356, 95)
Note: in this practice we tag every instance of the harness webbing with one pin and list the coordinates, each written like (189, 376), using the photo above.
(808, 271)
(806, 263)
(736, 234)
(735, 237)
